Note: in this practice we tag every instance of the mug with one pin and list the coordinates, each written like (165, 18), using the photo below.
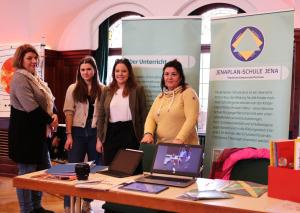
(82, 171)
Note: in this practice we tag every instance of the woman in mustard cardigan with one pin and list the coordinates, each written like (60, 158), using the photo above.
(174, 113)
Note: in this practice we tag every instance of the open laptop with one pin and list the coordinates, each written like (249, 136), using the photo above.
(124, 163)
(174, 160)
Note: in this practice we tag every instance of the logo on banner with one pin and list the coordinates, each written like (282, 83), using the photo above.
(247, 43)
(6, 74)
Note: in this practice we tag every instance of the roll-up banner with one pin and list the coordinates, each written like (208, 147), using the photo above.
(250, 81)
(150, 43)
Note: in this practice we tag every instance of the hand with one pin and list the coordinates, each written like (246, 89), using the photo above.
(55, 142)
(54, 123)
(99, 146)
(177, 141)
(148, 138)
(69, 142)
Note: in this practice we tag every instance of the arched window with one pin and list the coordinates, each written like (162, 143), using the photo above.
(207, 12)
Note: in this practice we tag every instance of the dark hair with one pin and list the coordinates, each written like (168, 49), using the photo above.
(20, 53)
(131, 82)
(81, 93)
(177, 65)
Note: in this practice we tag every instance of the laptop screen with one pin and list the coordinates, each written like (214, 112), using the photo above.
(126, 161)
(178, 159)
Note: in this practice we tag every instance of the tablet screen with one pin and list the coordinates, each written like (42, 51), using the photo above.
(144, 187)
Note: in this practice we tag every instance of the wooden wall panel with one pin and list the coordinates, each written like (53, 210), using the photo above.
(295, 98)
(7, 166)
(60, 72)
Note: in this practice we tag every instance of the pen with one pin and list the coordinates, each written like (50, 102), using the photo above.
(89, 181)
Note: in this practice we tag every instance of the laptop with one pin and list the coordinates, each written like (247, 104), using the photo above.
(124, 163)
(179, 163)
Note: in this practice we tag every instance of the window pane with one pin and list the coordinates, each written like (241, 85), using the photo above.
(205, 32)
(205, 91)
(204, 105)
(115, 35)
(111, 62)
(205, 60)
(115, 32)
(205, 76)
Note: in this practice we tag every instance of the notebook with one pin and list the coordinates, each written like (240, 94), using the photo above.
(175, 160)
(124, 163)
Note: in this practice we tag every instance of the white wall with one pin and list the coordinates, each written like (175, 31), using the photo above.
(73, 24)
(29, 20)
(12, 21)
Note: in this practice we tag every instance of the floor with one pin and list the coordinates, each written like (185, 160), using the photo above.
(9, 201)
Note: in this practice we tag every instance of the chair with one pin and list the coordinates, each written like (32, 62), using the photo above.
(149, 152)
(254, 170)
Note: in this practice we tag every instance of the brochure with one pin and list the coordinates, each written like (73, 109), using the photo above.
(68, 169)
(204, 195)
(246, 188)
(206, 184)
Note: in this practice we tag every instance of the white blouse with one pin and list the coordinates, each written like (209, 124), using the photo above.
(119, 108)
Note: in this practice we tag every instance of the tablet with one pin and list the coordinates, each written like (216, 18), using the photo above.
(144, 187)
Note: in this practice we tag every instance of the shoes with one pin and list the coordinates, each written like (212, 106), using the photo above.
(41, 210)
(67, 210)
(86, 207)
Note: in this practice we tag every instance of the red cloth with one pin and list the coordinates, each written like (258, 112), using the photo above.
(221, 168)
(217, 166)
(246, 153)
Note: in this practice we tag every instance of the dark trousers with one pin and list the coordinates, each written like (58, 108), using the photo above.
(120, 135)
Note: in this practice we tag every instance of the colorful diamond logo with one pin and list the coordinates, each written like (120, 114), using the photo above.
(247, 43)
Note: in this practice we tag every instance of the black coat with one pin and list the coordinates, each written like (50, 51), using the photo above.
(27, 135)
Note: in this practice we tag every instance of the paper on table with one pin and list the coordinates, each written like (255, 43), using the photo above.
(54, 177)
(246, 188)
(205, 184)
(101, 184)
(204, 195)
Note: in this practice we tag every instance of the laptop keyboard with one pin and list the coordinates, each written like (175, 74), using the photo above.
(113, 173)
(168, 179)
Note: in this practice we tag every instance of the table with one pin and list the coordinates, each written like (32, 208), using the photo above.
(165, 200)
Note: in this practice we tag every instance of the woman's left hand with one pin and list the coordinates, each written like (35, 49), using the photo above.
(55, 142)
(99, 146)
(54, 123)
(177, 141)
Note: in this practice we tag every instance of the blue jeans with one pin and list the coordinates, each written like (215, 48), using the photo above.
(84, 142)
(28, 199)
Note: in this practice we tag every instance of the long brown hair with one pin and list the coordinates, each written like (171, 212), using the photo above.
(81, 93)
(130, 83)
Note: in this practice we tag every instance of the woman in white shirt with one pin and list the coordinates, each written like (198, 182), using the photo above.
(122, 112)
